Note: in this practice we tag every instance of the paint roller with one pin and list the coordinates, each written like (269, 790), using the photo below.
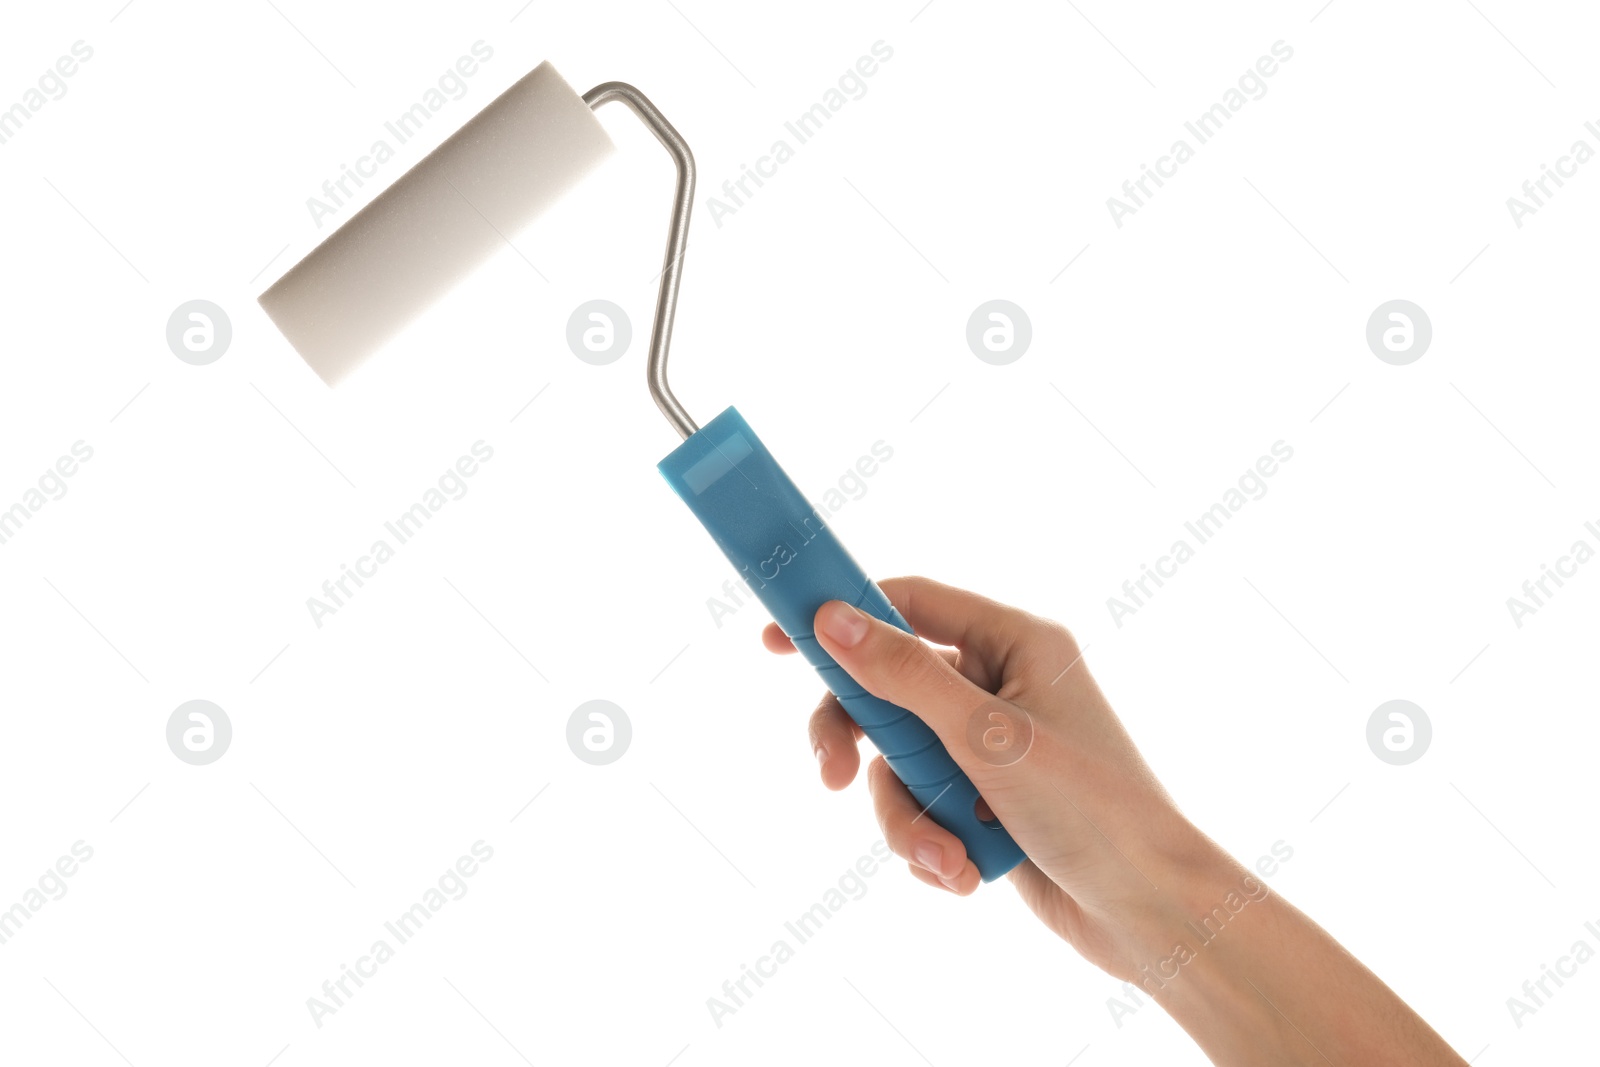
(437, 222)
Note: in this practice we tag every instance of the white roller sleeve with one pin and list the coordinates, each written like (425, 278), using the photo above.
(438, 221)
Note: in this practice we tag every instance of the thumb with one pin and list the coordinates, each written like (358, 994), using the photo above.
(898, 667)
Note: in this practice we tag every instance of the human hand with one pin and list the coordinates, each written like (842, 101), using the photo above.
(1100, 832)
(1113, 866)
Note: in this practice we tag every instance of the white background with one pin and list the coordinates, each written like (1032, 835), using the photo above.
(369, 753)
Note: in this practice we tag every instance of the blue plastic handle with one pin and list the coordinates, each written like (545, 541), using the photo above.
(782, 547)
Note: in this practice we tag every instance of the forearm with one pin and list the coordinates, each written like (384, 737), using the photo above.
(1254, 981)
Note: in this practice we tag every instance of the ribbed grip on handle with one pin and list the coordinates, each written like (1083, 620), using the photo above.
(783, 548)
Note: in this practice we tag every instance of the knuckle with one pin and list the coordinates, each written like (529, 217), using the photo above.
(815, 728)
(821, 716)
(907, 581)
(903, 590)
(897, 838)
(877, 774)
(1062, 638)
(1055, 637)
(907, 659)
(896, 831)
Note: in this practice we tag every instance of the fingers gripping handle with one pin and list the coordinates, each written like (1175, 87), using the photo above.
(783, 549)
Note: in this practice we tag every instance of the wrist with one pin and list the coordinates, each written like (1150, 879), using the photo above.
(1199, 953)
(1189, 891)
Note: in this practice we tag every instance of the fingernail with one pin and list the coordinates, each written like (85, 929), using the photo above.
(930, 856)
(821, 752)
(843, 623)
